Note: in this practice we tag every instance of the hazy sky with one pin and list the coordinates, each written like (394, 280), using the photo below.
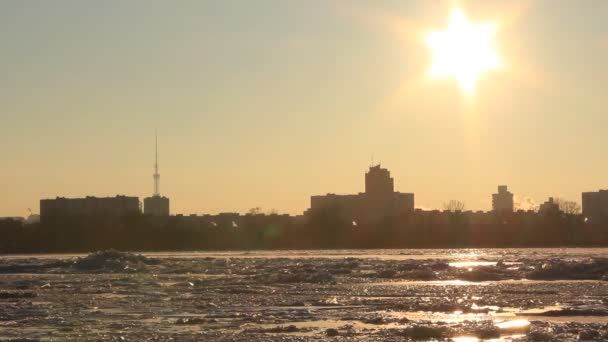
(266, 102)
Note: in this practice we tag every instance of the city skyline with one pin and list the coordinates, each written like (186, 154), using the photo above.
(263, 109)
(379, 199)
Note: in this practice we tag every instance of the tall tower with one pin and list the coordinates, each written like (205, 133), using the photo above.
(156, 174)
(156, 205)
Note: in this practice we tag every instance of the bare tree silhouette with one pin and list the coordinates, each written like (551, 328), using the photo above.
(568, 207)
(454, 206)
(255, 211)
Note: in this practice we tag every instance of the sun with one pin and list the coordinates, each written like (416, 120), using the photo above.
(463, 51)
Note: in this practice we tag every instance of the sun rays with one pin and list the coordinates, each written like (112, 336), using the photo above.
(463, 51)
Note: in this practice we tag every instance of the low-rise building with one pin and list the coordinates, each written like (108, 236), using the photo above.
(111, 207)
(156, 206)
(550, 207)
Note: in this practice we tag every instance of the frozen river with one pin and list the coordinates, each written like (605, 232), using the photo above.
(467, 254)
(435, 294)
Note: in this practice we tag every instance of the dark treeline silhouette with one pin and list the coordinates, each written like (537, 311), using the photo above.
(323, 230)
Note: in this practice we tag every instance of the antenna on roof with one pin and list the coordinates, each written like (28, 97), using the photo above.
(156, 175)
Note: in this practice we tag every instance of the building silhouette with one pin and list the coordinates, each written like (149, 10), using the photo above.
(378, 182)
(550, 207)
(378, 201)
(503, 200)
(595, 206)
(156, 205)
(107, 207)
(13, 218)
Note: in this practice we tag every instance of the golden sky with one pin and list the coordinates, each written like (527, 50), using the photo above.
(262, 104)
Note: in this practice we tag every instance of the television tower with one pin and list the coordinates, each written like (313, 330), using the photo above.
(156, 174)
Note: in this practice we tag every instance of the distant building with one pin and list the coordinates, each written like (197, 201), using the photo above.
(379, 199)
(13, 218)
(378, 182)
(550, 207)
(503, 200)
(9, 225)
(349, 206)
(156, 205)
(111, 207)
(595, 206)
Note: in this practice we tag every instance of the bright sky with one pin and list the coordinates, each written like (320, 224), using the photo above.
(264, 103)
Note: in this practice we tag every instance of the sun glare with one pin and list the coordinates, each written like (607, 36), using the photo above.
(463, 51)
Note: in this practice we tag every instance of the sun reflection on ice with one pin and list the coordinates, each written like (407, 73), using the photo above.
(518, 323)
(465, 339)
(469, 264)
